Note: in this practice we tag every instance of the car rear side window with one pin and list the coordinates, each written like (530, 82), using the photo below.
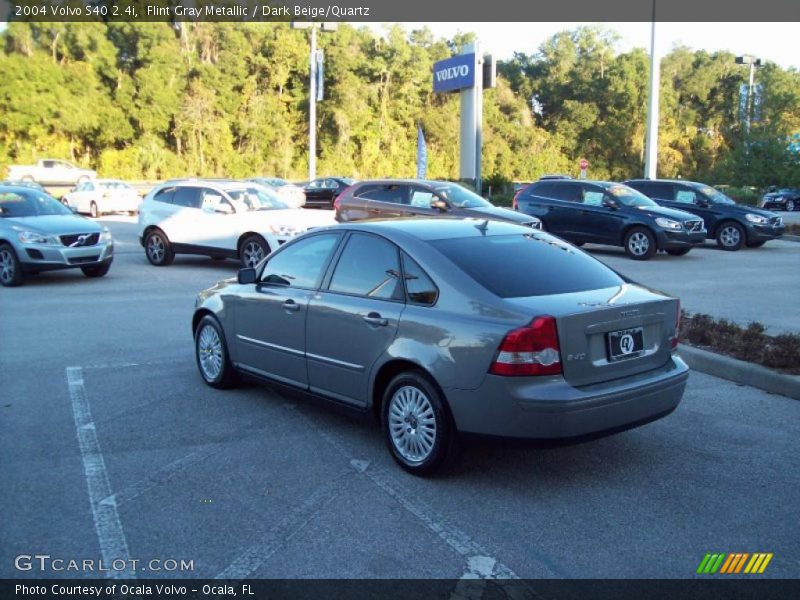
(530, 264)
(165, 195)
(545, 190)
(188, 197)
(368, 266)
(394, 194)
(300, 265)
(419, 287)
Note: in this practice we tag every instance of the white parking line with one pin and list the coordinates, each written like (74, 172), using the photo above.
(110, 535)
(476, 557)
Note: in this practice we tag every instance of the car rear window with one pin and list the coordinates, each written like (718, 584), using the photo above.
(530, 264)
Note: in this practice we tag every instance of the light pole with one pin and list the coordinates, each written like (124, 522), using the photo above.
(651, 146)
(753, 63)
(312, 89)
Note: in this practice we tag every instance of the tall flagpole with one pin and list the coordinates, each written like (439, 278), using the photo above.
(651, 151)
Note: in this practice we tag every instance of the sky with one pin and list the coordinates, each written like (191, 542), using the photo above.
(773, 42)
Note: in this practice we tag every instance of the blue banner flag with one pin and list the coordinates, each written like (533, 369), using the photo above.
(422, 154)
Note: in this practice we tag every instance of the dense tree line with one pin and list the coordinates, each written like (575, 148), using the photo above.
(155, 100)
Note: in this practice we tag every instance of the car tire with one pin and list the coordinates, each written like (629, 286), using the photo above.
(10, 268)
(678, 251)
(409, 397)
(96, 270)
(790, 205)
(640, 244)
(730, 236)
(253, 250)
(211, 354)
(756, 244)
(158, 249)
(93, 212)
(64, 201)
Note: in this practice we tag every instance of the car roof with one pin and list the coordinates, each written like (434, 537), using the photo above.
(686, 181)
(592, 181)
(437, 228)
(429, 182)
(222, 184)
(13, 187)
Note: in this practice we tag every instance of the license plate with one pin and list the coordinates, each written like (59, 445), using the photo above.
(625, 343)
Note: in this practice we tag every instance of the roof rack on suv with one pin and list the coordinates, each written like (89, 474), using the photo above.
(554, 176)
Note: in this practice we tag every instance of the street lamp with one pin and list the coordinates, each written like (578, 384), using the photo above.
(651, 144)
(314, 62)
(753, 63)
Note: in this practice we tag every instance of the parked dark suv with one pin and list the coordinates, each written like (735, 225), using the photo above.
(391, 198)
(601, 212)
(732, 225)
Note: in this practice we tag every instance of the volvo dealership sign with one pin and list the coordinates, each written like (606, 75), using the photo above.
(453, 74)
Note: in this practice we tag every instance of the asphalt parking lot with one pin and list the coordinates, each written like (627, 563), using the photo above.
(110, 444)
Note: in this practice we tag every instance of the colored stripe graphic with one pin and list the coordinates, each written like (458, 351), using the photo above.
(734, 563)
(710, 563)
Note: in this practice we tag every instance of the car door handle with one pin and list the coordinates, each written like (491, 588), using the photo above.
(374, 318)
(291, 305)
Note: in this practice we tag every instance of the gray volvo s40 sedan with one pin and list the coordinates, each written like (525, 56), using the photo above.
(444, 327)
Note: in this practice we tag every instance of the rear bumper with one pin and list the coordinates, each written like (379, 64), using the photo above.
(669, 240)
(551, 409)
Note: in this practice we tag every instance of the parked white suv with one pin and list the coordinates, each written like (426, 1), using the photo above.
(221, 219)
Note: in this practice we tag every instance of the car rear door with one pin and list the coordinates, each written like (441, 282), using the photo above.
(594, 221)
(563, 214)
(271, 316)
(354, 317)
(388, 200)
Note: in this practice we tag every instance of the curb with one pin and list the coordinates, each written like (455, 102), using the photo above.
(790, 237)
(740, 371)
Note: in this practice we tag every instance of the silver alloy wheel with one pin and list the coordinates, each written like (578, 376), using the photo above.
(790, 205)
(93, 212)
(155, 248)
(209, 351)
(252, 254)
(638, 244)
(7, 267)
(729, 236)
(412, 424)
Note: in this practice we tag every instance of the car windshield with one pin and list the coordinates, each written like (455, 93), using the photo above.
(714, 195)
(629, 196)
(29, 204)
(460, 197)
(256, 199)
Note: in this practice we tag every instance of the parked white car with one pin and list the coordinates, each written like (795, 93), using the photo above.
(221, 219)
(103, 196)
(292, 194)
(49, 171)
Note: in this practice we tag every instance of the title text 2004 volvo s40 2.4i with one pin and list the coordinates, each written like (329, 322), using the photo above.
(446, 326)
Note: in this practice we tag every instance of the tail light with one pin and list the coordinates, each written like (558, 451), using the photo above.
(674, 339)
(529, 350)
(338, 200)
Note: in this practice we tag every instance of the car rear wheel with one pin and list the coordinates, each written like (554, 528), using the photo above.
(97, 270)
(212, 354)
(158, 249)
(10, 269)
(640, 244)
(93, 212)
(417, 424)
(790, 205)
(253, 250)
(678, 251)
(730, 236)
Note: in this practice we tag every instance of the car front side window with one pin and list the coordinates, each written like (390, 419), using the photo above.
(301, 264)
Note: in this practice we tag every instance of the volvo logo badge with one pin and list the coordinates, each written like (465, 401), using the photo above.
(626, 343)
(81, 241)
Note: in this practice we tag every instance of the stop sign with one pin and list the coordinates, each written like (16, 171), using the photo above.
(584, 164)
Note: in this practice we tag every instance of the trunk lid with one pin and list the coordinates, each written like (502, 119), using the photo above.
(585, 321)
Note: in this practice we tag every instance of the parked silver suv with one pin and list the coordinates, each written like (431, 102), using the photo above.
(38, 233)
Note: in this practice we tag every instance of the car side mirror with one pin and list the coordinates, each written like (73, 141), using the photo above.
(439, 204)
(247, 276)
(609, 203)
(702, 202)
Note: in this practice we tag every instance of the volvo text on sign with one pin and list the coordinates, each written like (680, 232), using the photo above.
(456, 73)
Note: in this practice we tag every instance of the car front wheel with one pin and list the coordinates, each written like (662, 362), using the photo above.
(158, 249)
(640, 244)
(212, 354)
(10, 269)
(730, 236)
(253, 250)
(93, 212)
(417, 425)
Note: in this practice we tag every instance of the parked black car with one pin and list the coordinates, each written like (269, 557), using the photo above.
(321, 192)
(732, 225)
(602, 212)
(398, 198)
(781, 199)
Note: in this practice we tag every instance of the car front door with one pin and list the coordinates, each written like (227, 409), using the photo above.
(354, 318)
(271, 315)
(694, 201)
